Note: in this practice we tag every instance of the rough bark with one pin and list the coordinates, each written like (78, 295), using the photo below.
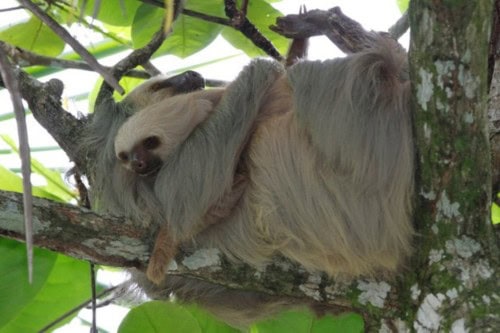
(455, 283)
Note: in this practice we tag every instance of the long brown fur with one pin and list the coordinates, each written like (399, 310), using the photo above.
(328, 165)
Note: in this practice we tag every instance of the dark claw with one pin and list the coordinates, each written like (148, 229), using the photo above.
(183, 83)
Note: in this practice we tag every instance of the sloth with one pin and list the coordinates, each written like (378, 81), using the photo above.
(313, 162)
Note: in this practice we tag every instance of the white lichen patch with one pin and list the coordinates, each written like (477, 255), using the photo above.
(468, 118)
(427, 132)
(469, 82)
(446, 208)
(452, 294)
(431, 195)
(311, 287)
(458, 326)
(482, 269)
(435, 229)
(435, 256)
(415, 292)
(444, 71)
(428, 317)
(465, 247)
(203, 258)
(374, 293)
(486, 299)
(425, 88)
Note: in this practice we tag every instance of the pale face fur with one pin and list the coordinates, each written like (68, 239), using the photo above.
(166, 124)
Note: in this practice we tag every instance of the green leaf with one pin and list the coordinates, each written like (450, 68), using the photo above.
(402, 5)
(208, 323)
(190, 35)
(60, 283)
(158, 316)
(262, 15)
(55, 184)
(495, 211)
(9, 181)
(35, 36)
(147, 21)
(115, 12)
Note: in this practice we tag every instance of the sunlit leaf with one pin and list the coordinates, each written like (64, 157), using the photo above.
(115, 12)
(55, 184)
(495, 212)
(147, 21)
(60, 283)
(34, 36)
(402, 5)
(9, 181)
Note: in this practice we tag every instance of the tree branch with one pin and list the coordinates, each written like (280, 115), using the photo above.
(240, 22)
(115, 241)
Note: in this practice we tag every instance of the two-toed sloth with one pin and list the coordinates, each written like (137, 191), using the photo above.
(322, 154)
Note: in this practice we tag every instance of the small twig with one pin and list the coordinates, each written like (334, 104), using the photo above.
(192, 13)
(25, 58)
(80, 49)
(244, 7)
(400, 27)
(75, 309)
(10, 81)
(151, 69)
(137, 57)
(93, 327)
(10, 9)
(205, 17)
(241, 23)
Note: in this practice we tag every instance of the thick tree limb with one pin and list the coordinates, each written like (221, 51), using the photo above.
(115, 241)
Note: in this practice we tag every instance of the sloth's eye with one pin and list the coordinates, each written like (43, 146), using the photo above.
(151, 142)
(123, 156)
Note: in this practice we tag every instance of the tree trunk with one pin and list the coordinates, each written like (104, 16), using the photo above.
(455, 284)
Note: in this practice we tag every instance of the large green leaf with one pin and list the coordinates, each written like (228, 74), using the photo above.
(189, 35)
(157, 316)
(35, 36)
(114, 12)
(262, 15)
(147, 21)
(9, 181)
(59, 284)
